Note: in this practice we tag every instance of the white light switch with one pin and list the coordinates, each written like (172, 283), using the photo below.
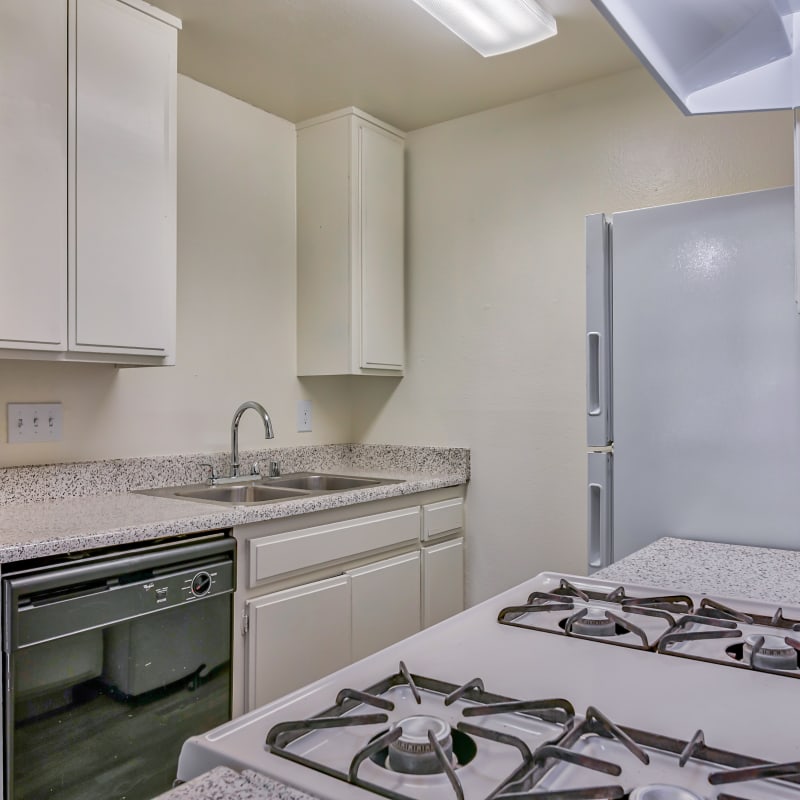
(303, 415)
(34, 422)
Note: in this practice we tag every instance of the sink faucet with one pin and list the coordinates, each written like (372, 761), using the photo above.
(268, 434)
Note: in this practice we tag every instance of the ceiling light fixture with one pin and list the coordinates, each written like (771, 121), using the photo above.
(493, 27)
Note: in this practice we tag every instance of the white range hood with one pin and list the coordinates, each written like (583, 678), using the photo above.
(720, 56)
(715, 56)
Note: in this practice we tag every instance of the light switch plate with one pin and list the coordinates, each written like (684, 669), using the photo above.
(34, 422)
(303, 416)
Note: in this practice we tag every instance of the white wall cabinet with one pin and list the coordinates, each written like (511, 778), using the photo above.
(88, 228)
(33, 174)
(350, 284)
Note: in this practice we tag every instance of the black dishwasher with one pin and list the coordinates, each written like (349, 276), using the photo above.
(111, 660)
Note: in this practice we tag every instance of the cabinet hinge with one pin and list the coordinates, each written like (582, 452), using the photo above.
(245, 622)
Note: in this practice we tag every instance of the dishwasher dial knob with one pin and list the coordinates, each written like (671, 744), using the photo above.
(201, 584)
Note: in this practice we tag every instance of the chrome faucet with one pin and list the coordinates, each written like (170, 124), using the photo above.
(268, 434)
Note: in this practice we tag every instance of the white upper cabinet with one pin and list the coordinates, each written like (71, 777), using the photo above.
(122, 284)
(87, 116)
(350, 232)
(33, 174)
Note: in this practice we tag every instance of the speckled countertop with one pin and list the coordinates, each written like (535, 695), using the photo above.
(222, 783)
(60, 508)
(729, 570)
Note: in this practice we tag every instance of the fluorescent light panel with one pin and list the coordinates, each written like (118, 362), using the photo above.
(493, 27)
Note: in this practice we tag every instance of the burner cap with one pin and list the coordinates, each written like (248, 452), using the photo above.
(774, 653)
(595, 622)
(662, 791)
(412, 752)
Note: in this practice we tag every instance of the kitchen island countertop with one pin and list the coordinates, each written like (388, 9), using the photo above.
(710, 567)
(758, 573)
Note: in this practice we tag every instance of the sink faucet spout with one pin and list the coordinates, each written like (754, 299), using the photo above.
(268, 433)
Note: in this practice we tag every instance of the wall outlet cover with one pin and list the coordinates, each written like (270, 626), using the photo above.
(303, 416)
(34, 422)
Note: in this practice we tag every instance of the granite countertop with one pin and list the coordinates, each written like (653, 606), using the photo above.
(61, 508)
(222, 783)
(729, 570)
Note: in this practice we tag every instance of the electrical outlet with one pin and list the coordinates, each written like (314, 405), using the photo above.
(34, 422)
(303, 415)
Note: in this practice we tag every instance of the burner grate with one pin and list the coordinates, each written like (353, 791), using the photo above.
(362, 763)
(640, 759)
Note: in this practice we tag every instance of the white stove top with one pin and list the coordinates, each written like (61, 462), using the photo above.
(739, 710)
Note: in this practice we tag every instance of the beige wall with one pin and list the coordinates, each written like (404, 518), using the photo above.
(496, 287)
(236, 311)
(496, 203)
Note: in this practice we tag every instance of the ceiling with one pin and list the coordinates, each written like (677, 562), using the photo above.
(301, 58)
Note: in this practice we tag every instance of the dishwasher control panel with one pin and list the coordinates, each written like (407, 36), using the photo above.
(188, 585)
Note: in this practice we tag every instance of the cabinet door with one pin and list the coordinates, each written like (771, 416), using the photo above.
(297, 636)
(442, 581)
(386, 603)
(33, 174)
(122, 287)
(382, 284)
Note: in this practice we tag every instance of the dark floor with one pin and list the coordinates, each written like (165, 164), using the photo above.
(103, 747)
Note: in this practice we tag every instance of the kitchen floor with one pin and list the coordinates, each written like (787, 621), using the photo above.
(152, 726)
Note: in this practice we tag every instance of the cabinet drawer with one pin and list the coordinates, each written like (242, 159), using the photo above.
(299, 550)
(443, 517)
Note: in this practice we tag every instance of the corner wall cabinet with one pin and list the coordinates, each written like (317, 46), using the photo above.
(87, 200)
(350, 284)
(319, 592)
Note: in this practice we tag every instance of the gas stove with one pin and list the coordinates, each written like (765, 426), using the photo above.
(522, 696)
(736, 633)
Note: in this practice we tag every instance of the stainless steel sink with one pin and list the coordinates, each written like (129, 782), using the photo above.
(267, 490)
(239, 494)
(318, 482)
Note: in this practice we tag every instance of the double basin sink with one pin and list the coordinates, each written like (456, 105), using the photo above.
(268, 490)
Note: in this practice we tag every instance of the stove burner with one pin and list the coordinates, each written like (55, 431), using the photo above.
(768, 652)
(462, 750)
(662, 791)
(414, 752)
(596, 622)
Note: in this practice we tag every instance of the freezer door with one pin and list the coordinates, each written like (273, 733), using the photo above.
(706, 376)
(598, 332)
(599, 508)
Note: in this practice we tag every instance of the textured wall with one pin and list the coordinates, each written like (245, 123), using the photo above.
(496, 206)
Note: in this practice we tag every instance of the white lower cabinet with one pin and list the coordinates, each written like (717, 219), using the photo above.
(442, 581)
(386, 603)
(296, 636)
(313, 598)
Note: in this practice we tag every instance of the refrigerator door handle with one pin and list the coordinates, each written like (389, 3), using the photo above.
(599, 508)
(598, 331)
(594, 371)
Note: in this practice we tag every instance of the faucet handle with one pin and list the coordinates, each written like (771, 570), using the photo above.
(214, 474)
(255, 469)
(274, 469)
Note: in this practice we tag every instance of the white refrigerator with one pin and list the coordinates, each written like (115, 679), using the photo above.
(693, 375)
